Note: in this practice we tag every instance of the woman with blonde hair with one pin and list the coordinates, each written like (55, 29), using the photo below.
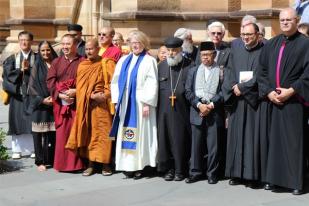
(134, 89)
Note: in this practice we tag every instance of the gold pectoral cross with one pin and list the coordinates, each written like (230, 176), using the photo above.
(172, 98)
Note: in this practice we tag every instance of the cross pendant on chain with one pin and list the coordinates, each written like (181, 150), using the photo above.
(172, 98)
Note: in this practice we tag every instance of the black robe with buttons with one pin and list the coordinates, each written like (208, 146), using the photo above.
(286, 122)
(174, 130)
(243, 145)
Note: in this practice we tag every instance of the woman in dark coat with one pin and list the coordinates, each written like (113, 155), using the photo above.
(43, 125)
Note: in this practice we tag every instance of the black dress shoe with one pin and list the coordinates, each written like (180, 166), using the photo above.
(234, 181)
(129, 174)
(268, 186)
(169, 176)
(192, 179)
(179, 177)
(212, 180)
(297, 192)
(253, 184)
(138, 175)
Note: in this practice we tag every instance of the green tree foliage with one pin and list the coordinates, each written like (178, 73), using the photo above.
(3, 150)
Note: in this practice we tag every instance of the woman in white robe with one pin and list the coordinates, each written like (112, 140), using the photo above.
(136, 148)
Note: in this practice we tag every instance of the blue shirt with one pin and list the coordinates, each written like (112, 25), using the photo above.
(302, 9)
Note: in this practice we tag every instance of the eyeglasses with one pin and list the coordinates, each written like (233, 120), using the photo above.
(247, 34)
(286, 20)
(135, 42)
(102, 34)
(218, 33)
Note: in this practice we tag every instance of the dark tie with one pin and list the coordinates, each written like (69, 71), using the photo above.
(279, 63)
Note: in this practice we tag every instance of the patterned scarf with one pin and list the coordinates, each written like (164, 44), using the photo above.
(206, 89)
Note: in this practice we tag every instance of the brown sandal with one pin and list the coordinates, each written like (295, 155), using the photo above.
(88, 172)
(106, 171)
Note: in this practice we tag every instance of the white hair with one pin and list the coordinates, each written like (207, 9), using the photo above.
(248, 18)
(173, 61)
(216, 24)
(182, 33)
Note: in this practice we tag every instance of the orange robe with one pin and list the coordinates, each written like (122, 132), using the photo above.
(89, 135)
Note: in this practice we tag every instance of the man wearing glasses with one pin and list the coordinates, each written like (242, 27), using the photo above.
(240, 90)
(216, 32)
(108, 50)
(284, 81)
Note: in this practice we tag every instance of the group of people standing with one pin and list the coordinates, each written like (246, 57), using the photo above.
(236, 110)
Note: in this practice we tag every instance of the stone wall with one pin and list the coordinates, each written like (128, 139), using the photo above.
(157, 18)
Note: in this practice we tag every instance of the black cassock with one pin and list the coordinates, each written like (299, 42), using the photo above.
(15, 82)
(286, 129)
(174, 133)
(243, 147)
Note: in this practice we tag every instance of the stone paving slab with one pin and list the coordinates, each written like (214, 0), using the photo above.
(28, 187)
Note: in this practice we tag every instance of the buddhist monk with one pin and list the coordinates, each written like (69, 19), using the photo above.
(89, 136)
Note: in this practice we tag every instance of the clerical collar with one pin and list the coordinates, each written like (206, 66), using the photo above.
(292, 36)
(250, 48)
(25, 55)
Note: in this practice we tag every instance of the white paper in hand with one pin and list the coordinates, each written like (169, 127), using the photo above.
(245, 76)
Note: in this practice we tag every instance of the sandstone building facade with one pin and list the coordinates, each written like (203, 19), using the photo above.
(47, 19)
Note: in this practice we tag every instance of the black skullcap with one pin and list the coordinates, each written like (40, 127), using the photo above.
(75, 27)
(207, 45)
(173, 42)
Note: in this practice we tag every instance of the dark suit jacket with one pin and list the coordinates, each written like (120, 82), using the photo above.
(217, 100)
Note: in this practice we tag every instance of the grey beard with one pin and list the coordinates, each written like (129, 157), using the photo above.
(187, 47)
(173, 61)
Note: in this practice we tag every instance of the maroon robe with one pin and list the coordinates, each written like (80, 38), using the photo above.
(112, 52)
(62, 76)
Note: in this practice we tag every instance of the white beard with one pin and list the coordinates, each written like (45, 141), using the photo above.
(187, 47)
(173, 61)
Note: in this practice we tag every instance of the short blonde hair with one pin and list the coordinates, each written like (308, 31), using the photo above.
(141, 37)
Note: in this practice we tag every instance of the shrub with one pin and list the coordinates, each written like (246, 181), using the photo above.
(3, 150)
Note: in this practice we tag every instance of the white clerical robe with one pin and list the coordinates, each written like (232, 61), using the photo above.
(146, 93)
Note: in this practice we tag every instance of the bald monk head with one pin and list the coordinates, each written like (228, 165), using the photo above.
(106, 36)
(92, 49)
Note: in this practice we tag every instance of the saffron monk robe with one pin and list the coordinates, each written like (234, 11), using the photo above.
(89, 136)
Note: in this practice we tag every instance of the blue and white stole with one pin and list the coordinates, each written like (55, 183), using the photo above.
(129, 132)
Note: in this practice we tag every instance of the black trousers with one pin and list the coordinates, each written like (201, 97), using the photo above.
(44, 147)
(205, 139)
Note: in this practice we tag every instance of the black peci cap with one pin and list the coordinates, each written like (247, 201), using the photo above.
(207, 45)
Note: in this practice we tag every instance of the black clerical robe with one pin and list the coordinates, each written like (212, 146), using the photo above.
(174, 131)
(286, 129)
(243, 152)
(81, 48)
(192, 56)
(15, 82)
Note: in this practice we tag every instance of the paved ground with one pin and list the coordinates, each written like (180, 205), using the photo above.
(26, 186)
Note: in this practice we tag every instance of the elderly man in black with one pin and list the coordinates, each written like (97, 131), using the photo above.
(173, 113)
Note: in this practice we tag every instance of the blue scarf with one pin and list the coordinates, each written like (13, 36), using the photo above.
(130, 122)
